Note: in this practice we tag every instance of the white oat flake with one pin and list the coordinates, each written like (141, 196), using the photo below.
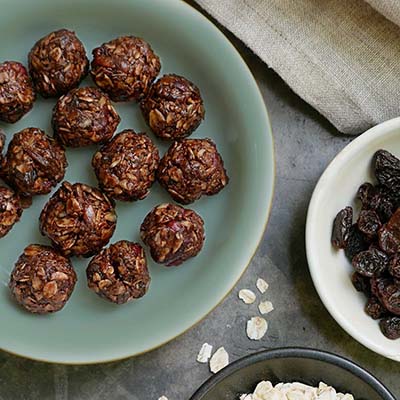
(204, 353)
(262, 285)
(256, 328)
(294, 391)
(247, 296)
(265, 307)
(162, 398)
(219, 360)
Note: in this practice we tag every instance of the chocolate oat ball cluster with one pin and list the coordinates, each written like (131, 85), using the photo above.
(42, 280)
(78, 219)
(57, 63)
(16, 92)
(83, 117)
(119, 273)
(34, 162)
(126, 166)
(173, 109)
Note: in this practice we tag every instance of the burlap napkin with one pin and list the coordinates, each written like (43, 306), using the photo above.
(341, 56)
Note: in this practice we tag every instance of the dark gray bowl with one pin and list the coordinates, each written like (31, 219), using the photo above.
(289, 365)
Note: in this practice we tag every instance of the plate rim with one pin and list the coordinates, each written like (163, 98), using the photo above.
(377, 131)
(269, 188)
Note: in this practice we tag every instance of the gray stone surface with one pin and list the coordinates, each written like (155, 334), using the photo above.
(305, 143)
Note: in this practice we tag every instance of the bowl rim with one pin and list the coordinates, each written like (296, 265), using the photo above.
(295, 352)
(373, 133)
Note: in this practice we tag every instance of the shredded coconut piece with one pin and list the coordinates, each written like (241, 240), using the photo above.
(204, 353)
(265, 307)
(247, 296)
(219, 360)
(256, 328)
(294, 391)
(262, 285)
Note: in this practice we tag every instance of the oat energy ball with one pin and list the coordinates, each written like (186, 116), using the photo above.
(126, 166)
(34, 162)
(57, 63)
(42, 280)
(192, 168)
(119, 273)
(78, 219)
(84, 116)
(125, 68)
(173, 234)
(10, 210)
(173, 108)
(16, 91)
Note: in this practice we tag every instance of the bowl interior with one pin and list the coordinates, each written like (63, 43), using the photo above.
(90, 329)
(330, 268)
(291, 365)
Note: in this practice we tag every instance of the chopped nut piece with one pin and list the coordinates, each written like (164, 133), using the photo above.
(173, 108)
(265, 307)
(42, 280)
(126, 166)
(57, 63)
(262, 285)
(247, 296)
(16, 92)
(34, 162)
(204, 353)
(192, 168)
(84, 116)
(119, 273)
(173, 233)
(219, 360)
(256, 328)
(125, 68)
(78, 219)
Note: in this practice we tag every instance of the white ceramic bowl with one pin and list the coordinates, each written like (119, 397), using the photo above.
(330, 269)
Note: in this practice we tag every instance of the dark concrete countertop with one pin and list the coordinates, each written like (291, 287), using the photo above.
(304, 143)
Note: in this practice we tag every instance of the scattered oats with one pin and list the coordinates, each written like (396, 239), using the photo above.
(162, 398)
(204, 353)
(265, 307)
(294, 391)
(219, 360)
(247, 296)
(262, 286)
(256, 328)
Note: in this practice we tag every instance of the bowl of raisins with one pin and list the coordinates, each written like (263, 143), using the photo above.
(353, 238)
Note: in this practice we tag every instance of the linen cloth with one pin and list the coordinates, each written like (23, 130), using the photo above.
(341, 56)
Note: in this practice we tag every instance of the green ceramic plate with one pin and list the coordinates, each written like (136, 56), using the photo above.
(89, 329)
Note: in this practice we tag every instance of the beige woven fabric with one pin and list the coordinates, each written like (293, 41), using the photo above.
(341, 56)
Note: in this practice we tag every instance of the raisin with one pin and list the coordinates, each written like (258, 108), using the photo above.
(387, 170)
(365, 193)
(356, 242)
(389, 234)
(370, 263)
(341, 227)
(389, 295)
(374, 308)
(369, 222)
(361, 283)
(394, 266)
(390, 327)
